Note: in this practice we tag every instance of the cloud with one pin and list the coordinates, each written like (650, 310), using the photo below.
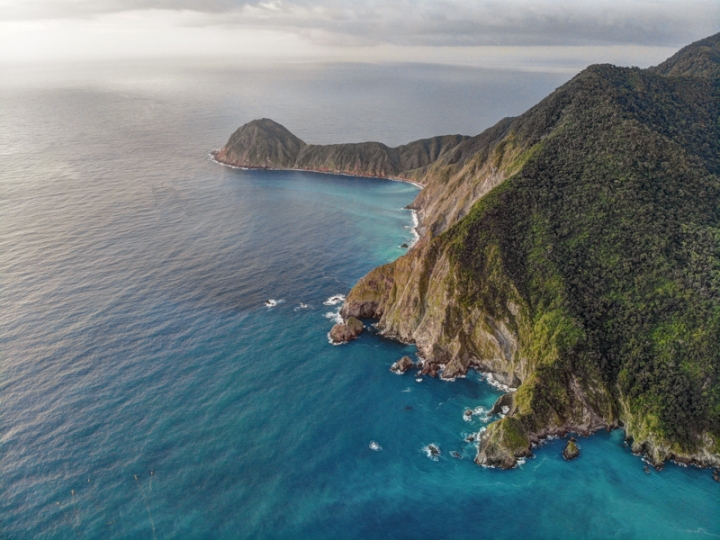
(422, 22)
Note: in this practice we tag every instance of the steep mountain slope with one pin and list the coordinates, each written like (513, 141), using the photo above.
(700, 59)
(574, 252)
(589, 278)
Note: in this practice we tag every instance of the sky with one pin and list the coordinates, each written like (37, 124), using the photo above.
(533, 35)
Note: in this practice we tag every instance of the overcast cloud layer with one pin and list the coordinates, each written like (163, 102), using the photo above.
(426, 22)
(324, 24)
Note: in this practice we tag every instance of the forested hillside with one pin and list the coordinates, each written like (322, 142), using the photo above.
(590, 276)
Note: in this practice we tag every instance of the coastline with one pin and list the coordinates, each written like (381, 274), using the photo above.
(536, 439)
(414, 213)
(213, 157)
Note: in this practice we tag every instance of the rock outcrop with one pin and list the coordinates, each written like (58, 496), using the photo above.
(347, 331)
(502, 405)
(502, 444)
(402, 365)
(571, 450)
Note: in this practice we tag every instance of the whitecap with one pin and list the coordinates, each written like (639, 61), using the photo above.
(413, 229)
(492, 381)
(482, 413)
(375, 447)
(334, 316)
(418, 379)
(432, 451)
(407, 390)
(300, 306)
(334, 300)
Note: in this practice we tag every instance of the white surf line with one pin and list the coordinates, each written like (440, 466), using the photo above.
(414, 228)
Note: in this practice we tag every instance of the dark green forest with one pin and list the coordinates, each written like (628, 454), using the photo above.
(610, 235)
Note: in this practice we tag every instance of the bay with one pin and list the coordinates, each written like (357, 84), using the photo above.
(146, 391)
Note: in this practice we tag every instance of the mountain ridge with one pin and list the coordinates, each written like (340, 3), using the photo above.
(574, 252)
(264, 143)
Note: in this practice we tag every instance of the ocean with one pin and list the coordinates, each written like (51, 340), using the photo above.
(147, 391)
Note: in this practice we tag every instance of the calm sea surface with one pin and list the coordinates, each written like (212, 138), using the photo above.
(147, 392)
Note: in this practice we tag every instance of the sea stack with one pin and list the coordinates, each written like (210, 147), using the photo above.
(402, 365)
(347, 331)
(571, 450)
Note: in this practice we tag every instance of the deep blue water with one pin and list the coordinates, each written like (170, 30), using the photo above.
(147, 392)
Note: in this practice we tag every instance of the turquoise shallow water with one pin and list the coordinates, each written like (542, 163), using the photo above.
(146, 392)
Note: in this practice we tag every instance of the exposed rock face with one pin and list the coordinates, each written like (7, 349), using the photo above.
(402, 365)
(502, 405)
(569, 251)
(571, 450)
(502, 444)
(347, 331)
(508, 277)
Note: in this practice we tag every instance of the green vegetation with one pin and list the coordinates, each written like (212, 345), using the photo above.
(266, 144)
(504, 442)
(574, 249)
(610, 234)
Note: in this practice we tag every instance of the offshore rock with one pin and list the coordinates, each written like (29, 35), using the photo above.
(347, 331)
(571, 450)
(402, 365)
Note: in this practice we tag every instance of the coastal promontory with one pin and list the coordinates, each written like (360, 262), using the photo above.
(266, 144)
(573, 252)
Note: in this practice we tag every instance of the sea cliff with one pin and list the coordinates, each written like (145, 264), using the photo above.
(266, 144)
(573, 252)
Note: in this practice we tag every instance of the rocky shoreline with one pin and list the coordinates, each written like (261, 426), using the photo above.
(527, 268)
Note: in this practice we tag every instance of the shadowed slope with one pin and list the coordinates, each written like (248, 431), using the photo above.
(266, 144)
(573, 251)
(588, 272)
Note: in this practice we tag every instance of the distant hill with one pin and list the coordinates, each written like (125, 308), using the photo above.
(266, 144)
(573, 251)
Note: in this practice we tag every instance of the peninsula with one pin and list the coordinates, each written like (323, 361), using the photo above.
(573, 252)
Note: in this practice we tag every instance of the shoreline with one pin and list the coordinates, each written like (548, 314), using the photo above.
(213, 157)
(414, 213)
(645, 454)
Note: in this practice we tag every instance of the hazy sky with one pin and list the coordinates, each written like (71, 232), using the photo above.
(519, 34)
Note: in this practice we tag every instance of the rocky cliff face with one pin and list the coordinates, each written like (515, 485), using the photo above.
(574, 252)
(569, 251)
